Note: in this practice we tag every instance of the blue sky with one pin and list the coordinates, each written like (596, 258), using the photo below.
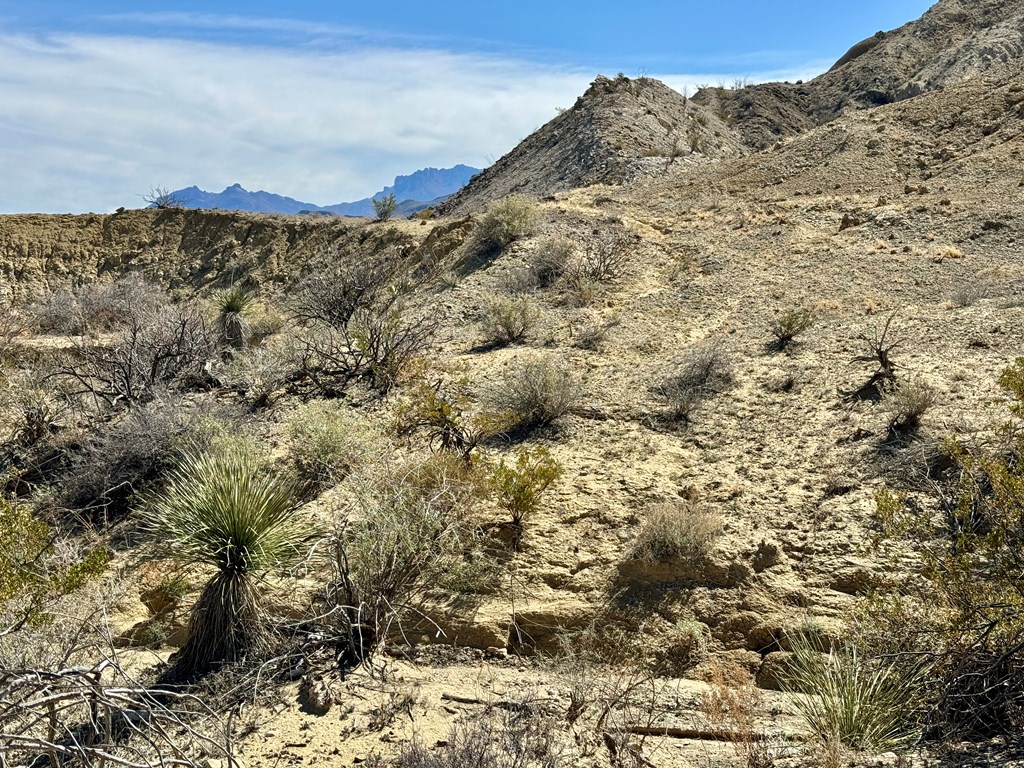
(328, 101)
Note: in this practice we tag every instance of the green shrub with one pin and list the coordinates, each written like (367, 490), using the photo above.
(537, 392)
(505, 220)
(789, 324)
(384, 207)
(328, 441)
(506, 321)
(33, 570)
(679, 529)
(442, 411)
(518, 488)
(225, 508)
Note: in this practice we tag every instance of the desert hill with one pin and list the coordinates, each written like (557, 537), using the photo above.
(953, 41)
(618, 130)
(878, 209)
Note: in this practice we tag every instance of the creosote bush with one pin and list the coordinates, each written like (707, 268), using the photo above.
(444, 412)
(36, 569)
(506, 220)
(508, 320)
(704, 371)
(518, 487)
(537, 392)
(678, 529)
(227, 509)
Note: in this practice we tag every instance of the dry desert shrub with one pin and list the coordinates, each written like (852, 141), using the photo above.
(537, 392)
(704, 371)
(328, 441)
(407, 529)
(906, 403)
(678, 529)
(508, 320)
(521, 738)
(506, 220)
(258, 373)
(551, 259)
(96, 307)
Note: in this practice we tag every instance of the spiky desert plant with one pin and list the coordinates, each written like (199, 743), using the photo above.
(232, 325)
(854, 701)
(224, 508)
(384, 207)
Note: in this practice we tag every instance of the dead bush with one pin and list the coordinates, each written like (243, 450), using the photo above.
(96, 307)
(703, 372)
(678, 529)
(336, 290)
(506, 321)
(537, 392)
(606, 258)
(127, 457)
(376, 346)
(158, 346)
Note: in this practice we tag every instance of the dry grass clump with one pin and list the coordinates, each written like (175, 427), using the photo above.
(96, 307)
(520, 739)
(508, 320)
(704, 371)
(537, 392)
(259, 372)
(506, 220)
(678, 529)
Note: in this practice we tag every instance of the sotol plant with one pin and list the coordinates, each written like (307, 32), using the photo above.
(225, 509)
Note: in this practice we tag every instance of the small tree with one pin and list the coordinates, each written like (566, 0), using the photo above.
(385, 207)
(226, 509)
(518, 488)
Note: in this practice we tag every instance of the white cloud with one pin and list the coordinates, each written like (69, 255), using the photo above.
(92, 122)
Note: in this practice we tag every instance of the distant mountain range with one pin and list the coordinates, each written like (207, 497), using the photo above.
(419, 190)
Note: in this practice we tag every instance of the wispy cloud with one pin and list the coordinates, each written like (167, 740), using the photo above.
(91, 122)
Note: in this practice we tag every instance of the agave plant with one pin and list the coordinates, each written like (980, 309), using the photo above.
(225, 509)
(231, 306)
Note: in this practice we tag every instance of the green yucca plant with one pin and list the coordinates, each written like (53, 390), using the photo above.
(231, 305)
(226, 509)
(857, 702)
